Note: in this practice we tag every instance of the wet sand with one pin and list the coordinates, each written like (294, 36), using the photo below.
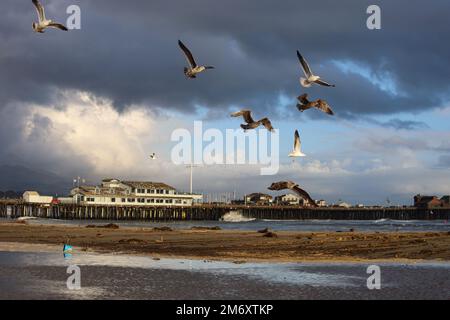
(43, 276)
(237, 246)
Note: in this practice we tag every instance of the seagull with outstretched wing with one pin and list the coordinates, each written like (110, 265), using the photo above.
(320, 104)
(250, 123)
(310, 77)
(45, 23)
(283, 185)
(193, 69)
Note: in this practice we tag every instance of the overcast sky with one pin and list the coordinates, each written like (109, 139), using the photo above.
(95, 102)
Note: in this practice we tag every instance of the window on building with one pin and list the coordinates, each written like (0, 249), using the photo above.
(113, 199)
(168, 200)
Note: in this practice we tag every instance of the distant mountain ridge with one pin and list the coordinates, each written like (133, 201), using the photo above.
(11, 194)
(18, 178)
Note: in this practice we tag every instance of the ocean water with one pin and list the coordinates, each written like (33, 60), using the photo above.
(235, 221)
(44, 275)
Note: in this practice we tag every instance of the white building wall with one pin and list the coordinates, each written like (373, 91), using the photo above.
(138, 202)
(34, 197)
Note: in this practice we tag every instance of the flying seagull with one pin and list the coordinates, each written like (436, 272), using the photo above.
(153, 156)
(44, 23)
(297, 152)
(282, 185)
(250, 123)
(194, 68)
(320, 104)
(310, 77)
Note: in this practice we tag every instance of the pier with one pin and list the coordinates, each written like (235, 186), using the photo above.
(215, 212)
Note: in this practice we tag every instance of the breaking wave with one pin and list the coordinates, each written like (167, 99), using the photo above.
(236, 216)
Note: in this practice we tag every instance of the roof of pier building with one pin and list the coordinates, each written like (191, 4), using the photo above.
(93, 190)
(261, 195)
(148, 185)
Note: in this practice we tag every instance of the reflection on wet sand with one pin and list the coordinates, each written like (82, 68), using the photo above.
(43, 276)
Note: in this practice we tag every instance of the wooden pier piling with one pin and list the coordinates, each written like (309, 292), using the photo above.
(215, 213)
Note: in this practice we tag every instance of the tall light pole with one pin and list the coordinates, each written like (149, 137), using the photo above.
(191, 166)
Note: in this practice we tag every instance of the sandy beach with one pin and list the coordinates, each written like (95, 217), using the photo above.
(236, 246)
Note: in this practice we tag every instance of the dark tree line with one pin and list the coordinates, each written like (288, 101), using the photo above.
(10, 194)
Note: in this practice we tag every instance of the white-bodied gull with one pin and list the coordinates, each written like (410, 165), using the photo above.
(310, 77)
(297, 152)
(194, 68)
(44, 23)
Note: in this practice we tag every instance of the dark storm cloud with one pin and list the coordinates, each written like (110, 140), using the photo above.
(127, 51)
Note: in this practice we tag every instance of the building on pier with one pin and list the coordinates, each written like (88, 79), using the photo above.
(429, 202)
(289, 200)
(321, 203)
(260, 199)
(35, 197)
(115, 192)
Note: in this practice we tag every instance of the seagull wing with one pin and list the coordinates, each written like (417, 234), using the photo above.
(277, 186)
(305, 66)
(188, 54)
(246, 114)
(324, 106)
(323, 83)
(297, 143)
(267, 124)
(59, 26)
(302, 193)
(40, 10)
